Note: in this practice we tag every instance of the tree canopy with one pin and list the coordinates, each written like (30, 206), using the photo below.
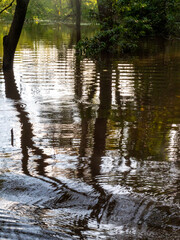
(123, 22)
(59, 10)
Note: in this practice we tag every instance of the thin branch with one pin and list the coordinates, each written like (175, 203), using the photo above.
(7, 7)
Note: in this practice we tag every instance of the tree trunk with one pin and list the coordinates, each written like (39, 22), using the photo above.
(78, 19)
(78, 13)
(10, 41)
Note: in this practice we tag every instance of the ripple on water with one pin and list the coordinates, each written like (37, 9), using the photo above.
(92, 149)
(15, 226)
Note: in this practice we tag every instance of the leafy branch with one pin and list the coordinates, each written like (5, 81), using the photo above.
(7, 7)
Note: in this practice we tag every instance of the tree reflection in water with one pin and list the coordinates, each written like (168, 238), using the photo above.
(99, 136)
(27, 142)
(132, 120)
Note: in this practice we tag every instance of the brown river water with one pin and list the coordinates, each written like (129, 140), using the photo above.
(89, 149)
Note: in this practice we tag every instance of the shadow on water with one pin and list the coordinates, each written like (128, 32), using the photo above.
(108, 196)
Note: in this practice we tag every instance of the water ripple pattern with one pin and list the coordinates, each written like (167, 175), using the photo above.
(89, 149)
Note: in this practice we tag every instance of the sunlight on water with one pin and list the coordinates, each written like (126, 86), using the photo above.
(90, 149)
(126, 81)
(174, 137)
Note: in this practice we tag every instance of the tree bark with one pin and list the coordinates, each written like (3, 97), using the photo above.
(10, 41)
(78, 13)
(78, 19)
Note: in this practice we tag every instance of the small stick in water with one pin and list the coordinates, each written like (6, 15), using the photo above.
(12, 137)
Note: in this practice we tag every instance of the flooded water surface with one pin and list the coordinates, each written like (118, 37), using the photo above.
(89, 149)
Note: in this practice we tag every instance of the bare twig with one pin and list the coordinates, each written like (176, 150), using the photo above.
(7, 7)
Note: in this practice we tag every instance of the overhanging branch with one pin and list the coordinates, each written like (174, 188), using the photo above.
(7, 7)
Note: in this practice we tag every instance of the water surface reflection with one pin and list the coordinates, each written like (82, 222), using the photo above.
(89, 149)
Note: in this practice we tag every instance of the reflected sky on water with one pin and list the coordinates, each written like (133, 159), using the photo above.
(89, 149)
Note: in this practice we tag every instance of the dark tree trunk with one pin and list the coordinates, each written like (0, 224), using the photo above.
(10, 41)
(78, 19)
(78, 13)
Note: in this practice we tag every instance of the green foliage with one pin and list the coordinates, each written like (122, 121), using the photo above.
(38, 10)
(117, 38)
(123, 22)
(61, 10)
(8, 13)
(156, 17)
(132, 20)
(89, 10)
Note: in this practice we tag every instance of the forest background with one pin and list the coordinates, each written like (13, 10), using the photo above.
(123, 22)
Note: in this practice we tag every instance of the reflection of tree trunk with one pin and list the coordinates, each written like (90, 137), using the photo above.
(11, 40)
(101, 121)
(100, 131)
(100, 137)
(78, 80)
(27, 131)
(78, 89)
